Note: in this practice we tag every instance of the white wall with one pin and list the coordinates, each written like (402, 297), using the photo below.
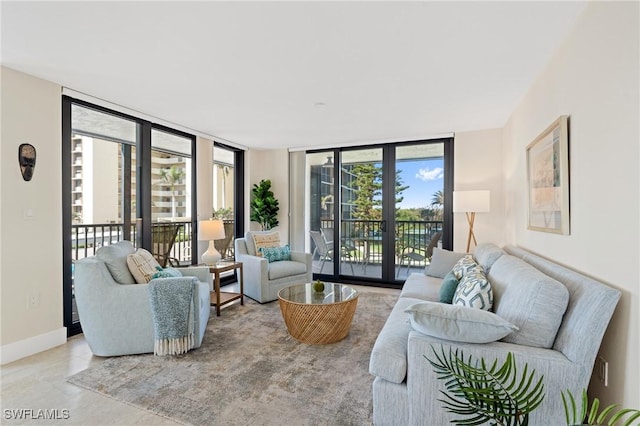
(31, 255)
(478, 166)
(593, 77)
(272, 165)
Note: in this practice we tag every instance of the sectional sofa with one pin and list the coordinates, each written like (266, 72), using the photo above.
(560, 314)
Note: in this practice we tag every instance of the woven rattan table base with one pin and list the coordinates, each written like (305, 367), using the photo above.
(318, 323)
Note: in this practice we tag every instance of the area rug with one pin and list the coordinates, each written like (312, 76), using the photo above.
(250, 371)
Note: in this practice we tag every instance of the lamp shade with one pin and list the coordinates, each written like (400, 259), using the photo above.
(212, 229)
(471, 201)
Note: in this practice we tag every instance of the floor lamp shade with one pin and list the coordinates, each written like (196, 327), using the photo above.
(470, 203)
(211, 230)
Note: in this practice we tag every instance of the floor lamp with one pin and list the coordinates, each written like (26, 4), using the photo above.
(470, 203)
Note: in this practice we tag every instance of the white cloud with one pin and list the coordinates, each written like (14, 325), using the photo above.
(427, 174)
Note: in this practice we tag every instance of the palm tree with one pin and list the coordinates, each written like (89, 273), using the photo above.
(438, 198)
(172, 175)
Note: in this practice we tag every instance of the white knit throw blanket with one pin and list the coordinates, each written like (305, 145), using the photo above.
(173, 314)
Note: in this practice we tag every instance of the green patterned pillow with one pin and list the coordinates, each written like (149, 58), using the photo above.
(166, 273)
(474, 291)
(463, 265)
(275, 254)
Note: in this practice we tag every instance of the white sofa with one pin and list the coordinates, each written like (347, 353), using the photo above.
(529, 291)
(115, 312)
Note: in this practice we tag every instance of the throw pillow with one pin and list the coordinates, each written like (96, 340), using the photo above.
(463, 265)
(474, 291)
(458, 323)
(271, 239)
(142, 265)
(275, 254)
(166, 272)
(448, 288)
(442, 261)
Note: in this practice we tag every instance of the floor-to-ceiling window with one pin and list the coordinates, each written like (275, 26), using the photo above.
(123, 178)
(375, 213)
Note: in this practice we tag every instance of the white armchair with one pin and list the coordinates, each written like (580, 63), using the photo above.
(264, 279)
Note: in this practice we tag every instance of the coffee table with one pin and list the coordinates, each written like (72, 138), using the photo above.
(318, 317)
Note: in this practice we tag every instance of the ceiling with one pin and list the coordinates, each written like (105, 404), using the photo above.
(294, 74)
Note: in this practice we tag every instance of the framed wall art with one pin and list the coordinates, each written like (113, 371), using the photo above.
(548, 179)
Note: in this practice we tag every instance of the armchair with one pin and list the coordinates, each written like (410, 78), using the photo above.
(115, 312)
(264, 279)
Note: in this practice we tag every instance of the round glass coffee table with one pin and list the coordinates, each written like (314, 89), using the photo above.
(318, 317)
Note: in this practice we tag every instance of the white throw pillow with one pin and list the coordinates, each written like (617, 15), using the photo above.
(458, 323)
(269, 240)
(463, 265)
(474, 290)
(142, 265)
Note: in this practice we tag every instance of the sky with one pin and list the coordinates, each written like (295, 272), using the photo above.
(424, 178)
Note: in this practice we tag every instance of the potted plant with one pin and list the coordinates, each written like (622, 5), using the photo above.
(264, 206)
(579, 417)
(482, 394)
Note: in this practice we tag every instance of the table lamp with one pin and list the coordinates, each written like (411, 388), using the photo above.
(470, 203)
(210, 230)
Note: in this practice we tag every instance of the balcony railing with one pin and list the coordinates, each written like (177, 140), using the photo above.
(367, 235)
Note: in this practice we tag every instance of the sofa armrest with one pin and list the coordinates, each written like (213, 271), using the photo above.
(298, 256)
(424, 388)
(200, 272)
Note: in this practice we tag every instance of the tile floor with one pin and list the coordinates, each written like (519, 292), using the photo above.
(39, 382)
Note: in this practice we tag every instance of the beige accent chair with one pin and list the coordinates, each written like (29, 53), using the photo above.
(263, 279)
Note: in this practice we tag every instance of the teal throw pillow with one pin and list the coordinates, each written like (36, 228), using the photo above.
(275, 254)
(448, 288)
(166, 273)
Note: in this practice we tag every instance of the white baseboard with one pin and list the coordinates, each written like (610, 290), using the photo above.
(32, 345)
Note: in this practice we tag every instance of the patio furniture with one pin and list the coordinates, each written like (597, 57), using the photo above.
(164, 236)
(326, 251)
(418, 254)
(225, 246)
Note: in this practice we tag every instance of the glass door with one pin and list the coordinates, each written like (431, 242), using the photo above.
(376, 213)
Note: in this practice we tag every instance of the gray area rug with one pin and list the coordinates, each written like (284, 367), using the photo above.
(250, 371)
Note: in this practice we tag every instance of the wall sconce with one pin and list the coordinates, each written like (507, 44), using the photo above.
(27, 160)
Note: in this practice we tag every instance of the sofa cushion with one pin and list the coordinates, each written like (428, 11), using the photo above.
(166, 273)
(486, 254)
(286, 268)
(464, 264)
(474, 290)
(276, 254)
(421, 286)
(458, 323)
(442, 261)
(448, 288)
(115, 258)
(142, 265)
(529, 299)
(389, 354)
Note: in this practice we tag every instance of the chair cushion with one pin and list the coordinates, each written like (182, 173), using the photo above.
(115, 258)
(142, 265)
(257, 239)
(458, 323)
(276, 254)
(442, 262)
(286, 268)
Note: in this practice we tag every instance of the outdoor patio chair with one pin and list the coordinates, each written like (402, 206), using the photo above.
(326, 250)
(418, 254)
(164, 236)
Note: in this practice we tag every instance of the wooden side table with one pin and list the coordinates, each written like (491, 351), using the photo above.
(220, 298)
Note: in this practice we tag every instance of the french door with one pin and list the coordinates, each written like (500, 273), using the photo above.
(379, 210)
(124, 178)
